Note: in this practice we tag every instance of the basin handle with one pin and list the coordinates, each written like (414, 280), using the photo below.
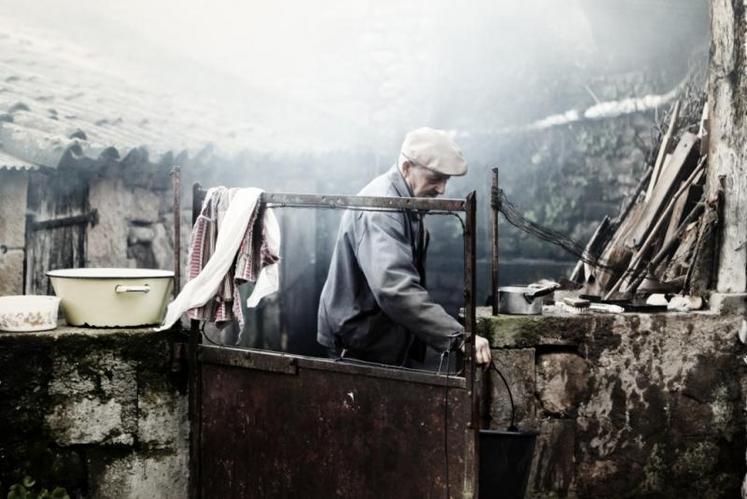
(123, 288)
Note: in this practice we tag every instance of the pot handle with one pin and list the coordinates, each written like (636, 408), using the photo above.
(529, 296)
(122, 288)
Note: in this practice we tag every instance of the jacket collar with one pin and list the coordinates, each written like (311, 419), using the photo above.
(398, 181)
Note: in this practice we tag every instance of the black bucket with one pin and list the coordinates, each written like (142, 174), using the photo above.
(505, 462)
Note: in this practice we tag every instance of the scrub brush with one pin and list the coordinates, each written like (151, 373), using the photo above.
(576, 305)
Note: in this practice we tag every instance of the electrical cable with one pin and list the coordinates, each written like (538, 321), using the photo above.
(499, 201)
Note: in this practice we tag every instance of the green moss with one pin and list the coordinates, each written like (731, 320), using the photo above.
(654, 472)
(524, 331)
(697, 459)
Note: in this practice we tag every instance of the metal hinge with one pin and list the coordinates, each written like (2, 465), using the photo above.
(92, 217)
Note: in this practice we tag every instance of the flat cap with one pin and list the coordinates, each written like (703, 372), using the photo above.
(435, 150)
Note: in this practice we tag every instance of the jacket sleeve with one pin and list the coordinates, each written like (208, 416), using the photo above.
(385, 257)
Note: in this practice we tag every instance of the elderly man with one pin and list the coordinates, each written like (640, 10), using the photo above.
(374, 305)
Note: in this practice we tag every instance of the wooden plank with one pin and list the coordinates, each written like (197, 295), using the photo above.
(682, 207)
(593, 248)
(666, 145)
(610, 253)
(53, 196)
(681, 165)
(616, 254)
(681, 260)
(646, 247)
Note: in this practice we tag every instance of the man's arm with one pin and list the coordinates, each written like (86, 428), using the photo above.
(386, 258)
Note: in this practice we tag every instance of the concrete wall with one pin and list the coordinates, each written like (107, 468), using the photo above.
(102, 413)
(627, 406)
(13, 191)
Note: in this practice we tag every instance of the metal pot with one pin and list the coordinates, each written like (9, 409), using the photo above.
(522, 300)
(106, 297)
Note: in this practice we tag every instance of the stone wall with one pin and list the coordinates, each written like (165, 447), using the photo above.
(728, 147)
(627, 406)
(133, 198)
(13, 187)
(102, 413)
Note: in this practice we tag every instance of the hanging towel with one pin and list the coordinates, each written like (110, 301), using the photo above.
(233, 241)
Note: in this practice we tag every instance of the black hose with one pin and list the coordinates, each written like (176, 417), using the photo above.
(512, 426)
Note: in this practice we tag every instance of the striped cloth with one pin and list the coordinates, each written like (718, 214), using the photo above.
(253, 255)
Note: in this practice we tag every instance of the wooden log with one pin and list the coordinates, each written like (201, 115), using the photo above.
(703, 131)
(704, 266)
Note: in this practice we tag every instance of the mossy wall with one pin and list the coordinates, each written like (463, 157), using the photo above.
(632, 405)
(102, 413)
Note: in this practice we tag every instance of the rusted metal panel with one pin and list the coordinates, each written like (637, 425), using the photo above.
(326, 433)
(289, 364)
(268, 424)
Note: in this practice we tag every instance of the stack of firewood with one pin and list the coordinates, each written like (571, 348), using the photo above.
(664, 240)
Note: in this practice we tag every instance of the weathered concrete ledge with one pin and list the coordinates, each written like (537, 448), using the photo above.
(628, 405)
(101, 412)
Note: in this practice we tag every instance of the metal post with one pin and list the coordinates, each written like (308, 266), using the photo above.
(176, 186)
(470, 326)
(494, 205)
(194, 381)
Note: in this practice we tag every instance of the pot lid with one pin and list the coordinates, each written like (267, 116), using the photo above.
(110, 273)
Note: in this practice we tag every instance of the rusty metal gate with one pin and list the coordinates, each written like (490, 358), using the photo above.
(273, 425)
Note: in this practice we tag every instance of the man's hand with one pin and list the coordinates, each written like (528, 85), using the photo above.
(482, 350)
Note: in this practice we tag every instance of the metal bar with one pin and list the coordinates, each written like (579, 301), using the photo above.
(195, 420)
(176, 186)
(91, 217)
(198, 195)
(470, 367)
(264, 360)
(344, 202)
(195, 399)
(494, 241)
(247, 359)
(335, 201)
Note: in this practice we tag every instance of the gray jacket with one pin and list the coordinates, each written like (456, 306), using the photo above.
(374, 299)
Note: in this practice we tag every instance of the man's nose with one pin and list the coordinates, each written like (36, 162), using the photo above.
(441, 188)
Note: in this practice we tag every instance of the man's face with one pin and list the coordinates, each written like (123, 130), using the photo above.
(424, 182)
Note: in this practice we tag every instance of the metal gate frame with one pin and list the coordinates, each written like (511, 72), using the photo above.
(200, 355)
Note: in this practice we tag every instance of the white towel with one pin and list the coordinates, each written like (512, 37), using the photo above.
(202, 288)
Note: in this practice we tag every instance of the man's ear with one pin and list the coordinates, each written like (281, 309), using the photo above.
(406, 167)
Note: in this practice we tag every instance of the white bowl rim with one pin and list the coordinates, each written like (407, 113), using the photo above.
(110, 273)
(29, 298)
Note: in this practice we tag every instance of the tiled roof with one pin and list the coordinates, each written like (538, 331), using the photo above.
(8, 162)
(54, 94)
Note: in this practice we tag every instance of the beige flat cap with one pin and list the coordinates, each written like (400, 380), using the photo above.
(435, 150)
